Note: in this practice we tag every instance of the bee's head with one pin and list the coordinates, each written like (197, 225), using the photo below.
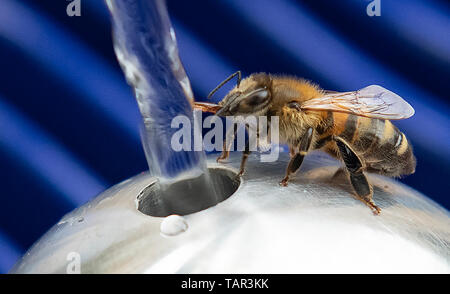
(251, 96)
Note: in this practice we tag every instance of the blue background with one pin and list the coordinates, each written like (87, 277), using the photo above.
(69, 125)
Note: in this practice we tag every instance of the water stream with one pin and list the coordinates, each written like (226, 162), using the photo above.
(146, 48)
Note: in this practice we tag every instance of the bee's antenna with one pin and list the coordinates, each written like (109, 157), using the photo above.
(238, 73)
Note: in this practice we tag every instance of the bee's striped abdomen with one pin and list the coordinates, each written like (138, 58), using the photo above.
(382, 147)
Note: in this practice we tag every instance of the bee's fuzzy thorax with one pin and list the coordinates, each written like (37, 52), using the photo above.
(294, 124)
(294, 88)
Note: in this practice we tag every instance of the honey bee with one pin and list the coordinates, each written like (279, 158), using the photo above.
(353, 127)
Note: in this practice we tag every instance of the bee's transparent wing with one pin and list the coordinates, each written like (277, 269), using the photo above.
(207, 107)
(372, 101)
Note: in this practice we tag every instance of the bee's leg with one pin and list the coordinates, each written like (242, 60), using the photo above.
(357, 178)
(292, 151)
(229, 139)
(297, 159)
(245, 154)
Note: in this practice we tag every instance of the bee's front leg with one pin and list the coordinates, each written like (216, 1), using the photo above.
(245, 155)
(297, 160)
(229, 139)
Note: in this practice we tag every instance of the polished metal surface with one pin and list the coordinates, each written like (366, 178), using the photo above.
(314, 225)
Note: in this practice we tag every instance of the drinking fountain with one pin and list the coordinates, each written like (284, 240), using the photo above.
(189, 214)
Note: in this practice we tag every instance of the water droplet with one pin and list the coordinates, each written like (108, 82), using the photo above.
(173, 225)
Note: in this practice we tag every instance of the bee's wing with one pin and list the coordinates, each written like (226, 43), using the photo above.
(207, 107)
(372, 101)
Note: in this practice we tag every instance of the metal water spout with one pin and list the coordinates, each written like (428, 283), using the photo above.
(312, 226)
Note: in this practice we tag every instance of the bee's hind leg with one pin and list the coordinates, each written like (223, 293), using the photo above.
(297, 159)
(357, 177)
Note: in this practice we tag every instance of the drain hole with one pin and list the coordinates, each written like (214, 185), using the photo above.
(188, 196)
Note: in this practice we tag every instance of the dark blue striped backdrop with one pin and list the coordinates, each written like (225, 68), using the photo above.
(69, 122)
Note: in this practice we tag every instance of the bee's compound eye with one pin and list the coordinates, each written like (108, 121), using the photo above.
(258, 98)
